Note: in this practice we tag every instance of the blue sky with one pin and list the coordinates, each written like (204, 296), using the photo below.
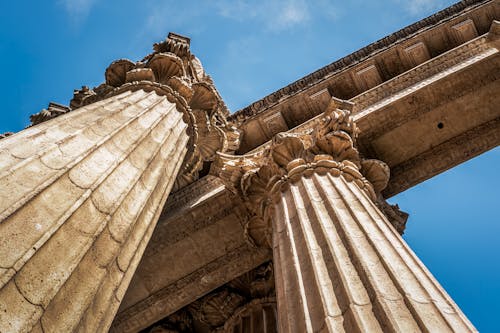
(252, 48)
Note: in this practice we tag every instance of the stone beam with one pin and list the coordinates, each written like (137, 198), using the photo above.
(415, 124)
(357, 73)
(426, 106)
(444, 156)
(200, 244)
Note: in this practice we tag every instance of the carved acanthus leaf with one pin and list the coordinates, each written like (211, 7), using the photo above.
(171, 67)
(396, 217)
(116, 73)
(165, 66)
(336, 135)
(377, 173)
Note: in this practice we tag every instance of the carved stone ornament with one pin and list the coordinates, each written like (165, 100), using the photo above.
(257, 283)
(52, 111)
(170, 67)
(247, 301)
(331, 148)
(256, 316)
(6, 134)
(178, 322)
(215, 308)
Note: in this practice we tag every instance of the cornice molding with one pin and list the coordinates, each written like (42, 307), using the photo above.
(352, 59)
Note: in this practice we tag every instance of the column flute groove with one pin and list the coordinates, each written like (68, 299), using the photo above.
(106, 180)
(13, 204)
(427, 285)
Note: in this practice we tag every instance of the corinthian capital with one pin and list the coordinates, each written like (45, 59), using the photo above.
(337, 134)
(171, 70)
(331, 147)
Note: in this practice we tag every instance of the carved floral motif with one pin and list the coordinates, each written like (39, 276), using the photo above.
(52, 111)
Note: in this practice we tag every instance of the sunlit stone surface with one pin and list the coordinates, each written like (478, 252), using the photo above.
(144, 206)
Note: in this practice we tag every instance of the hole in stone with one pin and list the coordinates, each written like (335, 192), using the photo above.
(440, 125)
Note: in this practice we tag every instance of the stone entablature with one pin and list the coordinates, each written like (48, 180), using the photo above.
(423, 92)
(384, 59)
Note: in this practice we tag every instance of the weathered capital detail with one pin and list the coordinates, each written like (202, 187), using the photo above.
(330, 148)
(170, 69)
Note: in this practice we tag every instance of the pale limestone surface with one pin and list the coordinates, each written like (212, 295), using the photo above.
(81, 197)
(443, 69)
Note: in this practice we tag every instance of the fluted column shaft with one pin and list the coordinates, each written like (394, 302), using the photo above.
(341, 267)
(79, 198)
(257, 316)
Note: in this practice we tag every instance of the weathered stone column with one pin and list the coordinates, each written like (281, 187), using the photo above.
(79, 199)
(81, 193)
(340, 265)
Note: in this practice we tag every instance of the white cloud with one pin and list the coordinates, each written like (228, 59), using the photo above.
(270, 15)
(244, 48)
(292, 13)
(77, 9)
(173, 15)
(276, 15)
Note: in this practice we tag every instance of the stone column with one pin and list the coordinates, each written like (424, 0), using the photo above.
(81, 191)
(80, 197)
(340, 265)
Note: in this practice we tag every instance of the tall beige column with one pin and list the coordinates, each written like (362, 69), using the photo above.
(80, 197)
(81, 193)
(340, 265)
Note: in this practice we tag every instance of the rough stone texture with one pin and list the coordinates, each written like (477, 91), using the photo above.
(84, 189)
(80, 198)
(461, 73)
(341, 267)
(245, 304)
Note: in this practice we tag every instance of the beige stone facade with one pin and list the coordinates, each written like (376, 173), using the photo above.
(145, 206)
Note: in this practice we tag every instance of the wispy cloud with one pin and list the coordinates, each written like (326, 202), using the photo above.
(78, 10)
(244, 48)
(271, 15)
(276, 15)
(419, 7)
(169, 15)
